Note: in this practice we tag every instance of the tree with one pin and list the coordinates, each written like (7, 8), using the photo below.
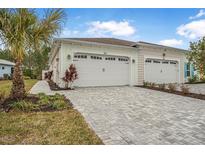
(197, 56)
(40, 61)
(5, 54)
(35, 62)
(70, 76)
(23, 31)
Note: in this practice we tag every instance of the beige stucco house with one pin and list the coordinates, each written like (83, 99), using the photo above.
(115, 62)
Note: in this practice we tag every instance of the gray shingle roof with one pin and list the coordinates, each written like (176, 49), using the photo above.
(6, 62)
(114, 41)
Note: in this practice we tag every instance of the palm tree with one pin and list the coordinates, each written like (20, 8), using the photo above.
(23, 31)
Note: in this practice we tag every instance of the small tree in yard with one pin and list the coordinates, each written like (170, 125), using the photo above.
(197, 56)
(23, 31)
(70, 76)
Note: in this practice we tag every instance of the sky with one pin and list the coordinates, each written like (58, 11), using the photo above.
(172, 27)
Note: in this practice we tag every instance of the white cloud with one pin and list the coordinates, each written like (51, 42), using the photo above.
(69, 33)
(200, 14)
(77, 17)
(104, 28)
(171, 42)
(192, 30)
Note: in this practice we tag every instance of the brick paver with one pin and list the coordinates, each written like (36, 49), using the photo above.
(132, 115)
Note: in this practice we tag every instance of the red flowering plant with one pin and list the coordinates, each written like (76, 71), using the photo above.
(70, 76)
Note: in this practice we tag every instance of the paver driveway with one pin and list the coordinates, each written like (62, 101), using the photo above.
(197, 88)
(132, 115)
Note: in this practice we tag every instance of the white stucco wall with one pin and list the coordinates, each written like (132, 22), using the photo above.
(69, 49)
(6, 70)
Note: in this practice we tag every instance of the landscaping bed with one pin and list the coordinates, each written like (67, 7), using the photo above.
(36, 103)
(173, 90)
(53, 86)
(42, 119)
(197, 82)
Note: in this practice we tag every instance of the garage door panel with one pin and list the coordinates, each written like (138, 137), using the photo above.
(104, 71)
(162, 72)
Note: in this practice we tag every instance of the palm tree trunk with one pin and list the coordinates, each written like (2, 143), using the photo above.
(18, 87)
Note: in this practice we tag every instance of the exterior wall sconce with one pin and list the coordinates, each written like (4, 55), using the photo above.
(163, 55)
(68, 57)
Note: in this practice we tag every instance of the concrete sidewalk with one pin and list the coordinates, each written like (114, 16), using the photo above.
(41, 87)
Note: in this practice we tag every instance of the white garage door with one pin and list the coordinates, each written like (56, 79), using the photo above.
(98, 70)
(161, 71)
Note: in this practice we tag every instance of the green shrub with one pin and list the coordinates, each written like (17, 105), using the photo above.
(145, 84)
(6, 77)
(192, 79)
(172, 87)
(26, 77)
(45, 102)
(56, 97)
(152, 85)
(29, 72)
(59, 104)
(43, 99)
(184, 89)
(24, 106)
(162, 86)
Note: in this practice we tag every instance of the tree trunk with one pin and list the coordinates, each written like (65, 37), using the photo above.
(201, 72)
(18, 88)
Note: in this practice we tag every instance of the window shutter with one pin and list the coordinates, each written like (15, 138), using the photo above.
(192, 70)
(185, 70)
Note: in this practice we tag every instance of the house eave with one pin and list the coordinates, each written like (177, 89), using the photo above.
(92, 43)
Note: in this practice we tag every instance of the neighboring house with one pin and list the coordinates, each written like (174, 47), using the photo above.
(6, 67)
(115, 62)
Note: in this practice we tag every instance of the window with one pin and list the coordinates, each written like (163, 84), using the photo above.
(188, 70)
(80, 56)
(173, 62)
(83, 56)
(122, 59)
(156, 61)
(109, 58)
(148, 61)
(96, 57)
(165, 62)
(2, 67)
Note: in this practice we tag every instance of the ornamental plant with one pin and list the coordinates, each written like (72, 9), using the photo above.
(70, 76)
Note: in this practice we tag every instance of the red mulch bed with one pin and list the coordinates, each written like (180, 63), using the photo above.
(192, 95)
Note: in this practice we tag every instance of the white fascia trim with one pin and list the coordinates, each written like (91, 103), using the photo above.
(94, 43)
(162, 48)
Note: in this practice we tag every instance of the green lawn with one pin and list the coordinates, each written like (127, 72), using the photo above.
(5, 85)
(59, 127)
